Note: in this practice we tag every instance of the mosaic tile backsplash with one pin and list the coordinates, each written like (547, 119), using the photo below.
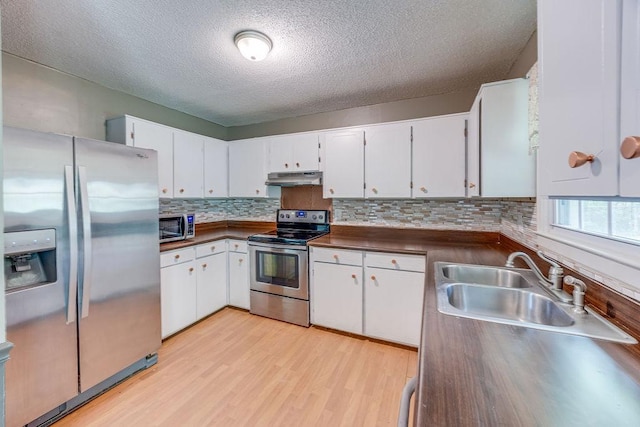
(211, 210)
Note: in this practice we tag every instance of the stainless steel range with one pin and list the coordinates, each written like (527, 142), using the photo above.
(279, 265)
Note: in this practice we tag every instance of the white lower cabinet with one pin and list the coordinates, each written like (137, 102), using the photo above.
(238, 274)
(178, 290)
(393, 305)
(381, 297)
(211, 279)
(337, 290)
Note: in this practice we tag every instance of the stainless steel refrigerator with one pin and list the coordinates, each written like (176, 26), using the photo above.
(82, 269)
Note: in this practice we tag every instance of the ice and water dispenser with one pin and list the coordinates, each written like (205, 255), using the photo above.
(29, 258)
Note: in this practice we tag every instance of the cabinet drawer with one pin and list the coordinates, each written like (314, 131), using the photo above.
(337, 256)
(176, 257)
(210, 248)
(395, 261)
(238, 246)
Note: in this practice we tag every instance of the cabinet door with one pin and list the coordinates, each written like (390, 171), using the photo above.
(578, 96)
(178, 297)
(337, 296)
(188, 166)
(212, 284)
(507, 168)
(343, 165)
(238, 280)
(247, 168)
(438, 159)
(473, 150)
(388, 161)
(630, 96)
(159, 138)
(280, 154)
(305, 152)
(216, 160)
(393, 305)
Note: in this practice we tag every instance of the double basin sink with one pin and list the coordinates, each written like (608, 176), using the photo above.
(515, 297)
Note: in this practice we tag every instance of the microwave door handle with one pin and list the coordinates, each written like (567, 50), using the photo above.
(73, 245)
(86, 240)
(185, 226)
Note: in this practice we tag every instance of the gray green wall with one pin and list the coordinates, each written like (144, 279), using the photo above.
(526, 59)
(41, 98)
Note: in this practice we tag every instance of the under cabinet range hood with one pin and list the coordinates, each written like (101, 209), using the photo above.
(293, 179)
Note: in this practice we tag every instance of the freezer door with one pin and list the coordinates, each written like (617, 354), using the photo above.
(42, 372)
(119, 290)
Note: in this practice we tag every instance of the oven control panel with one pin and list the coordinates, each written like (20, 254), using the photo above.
(303, 216)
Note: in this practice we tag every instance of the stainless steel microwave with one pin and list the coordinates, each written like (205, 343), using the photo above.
(177, 227)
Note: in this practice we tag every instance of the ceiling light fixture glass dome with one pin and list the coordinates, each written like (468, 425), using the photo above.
(253, 45)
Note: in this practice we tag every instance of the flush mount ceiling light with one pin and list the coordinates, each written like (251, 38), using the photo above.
(253, 45)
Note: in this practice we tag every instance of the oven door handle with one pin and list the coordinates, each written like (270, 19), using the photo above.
(272, 247)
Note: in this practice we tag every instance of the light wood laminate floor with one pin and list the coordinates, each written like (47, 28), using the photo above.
(237, 369)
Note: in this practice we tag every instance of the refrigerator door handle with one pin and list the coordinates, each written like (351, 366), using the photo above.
(73, 245)
(86, 239)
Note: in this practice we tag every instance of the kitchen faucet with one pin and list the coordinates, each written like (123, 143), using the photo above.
(553, 283)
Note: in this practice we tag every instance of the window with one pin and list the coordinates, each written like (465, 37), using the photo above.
(613, 219)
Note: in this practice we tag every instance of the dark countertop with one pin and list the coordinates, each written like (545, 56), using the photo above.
(210, 232)
(476, 373)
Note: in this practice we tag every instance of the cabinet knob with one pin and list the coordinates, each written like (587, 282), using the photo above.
(373, 277)
(211, 191)
(177, 257)
(164, 190)
(240, 260)
(182, 190)
(213, 248)
(353, 276)
(375, 190)
(257, 191)
(236, 246)
(331, 190)
(424, 190)
(297, 164)
(472, 185)
(190, 269)
(394, 262)
(204, 265)
(630, 148)
(335, 257)
(578, 158)
(286, 165)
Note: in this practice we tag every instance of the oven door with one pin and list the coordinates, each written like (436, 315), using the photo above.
(279, 269)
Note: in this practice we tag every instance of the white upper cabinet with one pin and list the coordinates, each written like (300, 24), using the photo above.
(293, 153)
(438, 159)
(499, 161)
(630, 101)
(578, 50)
(216, 161)
(343, 164)
(188, 168)
(247, 168)
(144, 134)
(388, 161)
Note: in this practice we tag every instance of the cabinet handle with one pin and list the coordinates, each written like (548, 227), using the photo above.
(578, 158)
(331, 190)
(191, 270)
(211, 191)
(373, 277)
(424, 190)
(182, 190)
(297, 164)
(164, 190)
(177, 257)
(630, 148)
(286, 165)
(204, 265)
(353, 276)
(472, 185)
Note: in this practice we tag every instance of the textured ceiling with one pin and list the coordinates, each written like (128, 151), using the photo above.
(327, 55)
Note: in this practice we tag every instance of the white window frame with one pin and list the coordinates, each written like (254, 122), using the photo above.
(604, 255)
